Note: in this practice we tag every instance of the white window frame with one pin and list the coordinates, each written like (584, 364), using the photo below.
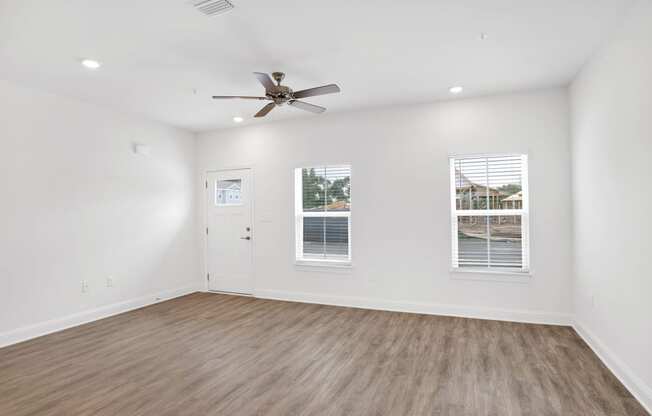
(344, 261)
(524, 212)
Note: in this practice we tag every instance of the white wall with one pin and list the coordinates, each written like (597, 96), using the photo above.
(612, 178)
(77, 203)
(401, 245)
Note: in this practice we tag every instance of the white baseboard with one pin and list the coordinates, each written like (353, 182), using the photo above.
(33, 331)
(624, 373)
(511, 315)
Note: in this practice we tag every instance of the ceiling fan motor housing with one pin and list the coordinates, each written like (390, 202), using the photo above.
(280, 94)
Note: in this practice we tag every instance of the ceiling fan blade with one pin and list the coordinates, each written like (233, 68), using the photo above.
(263, 112)
(308, 107)
(265, 80)
(245, 97)
(311, 92)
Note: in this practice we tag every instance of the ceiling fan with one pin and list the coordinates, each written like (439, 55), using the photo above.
(281, 94)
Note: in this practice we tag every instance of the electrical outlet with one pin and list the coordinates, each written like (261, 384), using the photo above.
(109, 281)
(84, 286)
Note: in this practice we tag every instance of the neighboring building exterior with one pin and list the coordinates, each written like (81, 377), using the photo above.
(471, 195)
(513, 201)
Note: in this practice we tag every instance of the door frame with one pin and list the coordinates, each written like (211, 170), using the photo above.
(252, 208)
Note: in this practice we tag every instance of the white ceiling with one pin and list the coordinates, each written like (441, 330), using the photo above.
(156, 52)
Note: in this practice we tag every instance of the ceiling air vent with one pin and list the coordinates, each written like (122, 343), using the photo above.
(212, 7)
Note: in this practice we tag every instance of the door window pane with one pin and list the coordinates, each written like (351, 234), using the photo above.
(228, 192)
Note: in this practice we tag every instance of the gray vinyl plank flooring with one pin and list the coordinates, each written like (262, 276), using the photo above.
(212, 354)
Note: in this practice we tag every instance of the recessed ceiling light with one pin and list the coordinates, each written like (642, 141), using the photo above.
(91, 63)
(238, 119)
(456, 90)
(483, 36)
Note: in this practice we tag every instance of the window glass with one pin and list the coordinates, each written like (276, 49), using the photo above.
(228, 192)
(490, 212)
(323, 213)
(325, 237)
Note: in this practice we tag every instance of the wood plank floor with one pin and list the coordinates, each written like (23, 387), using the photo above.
(209, 354)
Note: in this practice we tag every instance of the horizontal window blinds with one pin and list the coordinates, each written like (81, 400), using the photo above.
(490, 212)
(323, 208)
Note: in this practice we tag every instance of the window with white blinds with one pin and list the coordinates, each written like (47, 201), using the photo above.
(489, 205)
(323, 213)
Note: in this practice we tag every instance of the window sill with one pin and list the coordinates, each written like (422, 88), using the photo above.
(499, 275)
(328, 264)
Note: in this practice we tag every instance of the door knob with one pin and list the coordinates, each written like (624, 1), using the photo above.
(245, 238)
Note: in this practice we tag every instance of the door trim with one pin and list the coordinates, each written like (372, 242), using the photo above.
(206, 284)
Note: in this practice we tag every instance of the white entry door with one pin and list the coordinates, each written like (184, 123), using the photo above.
(229, 231)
